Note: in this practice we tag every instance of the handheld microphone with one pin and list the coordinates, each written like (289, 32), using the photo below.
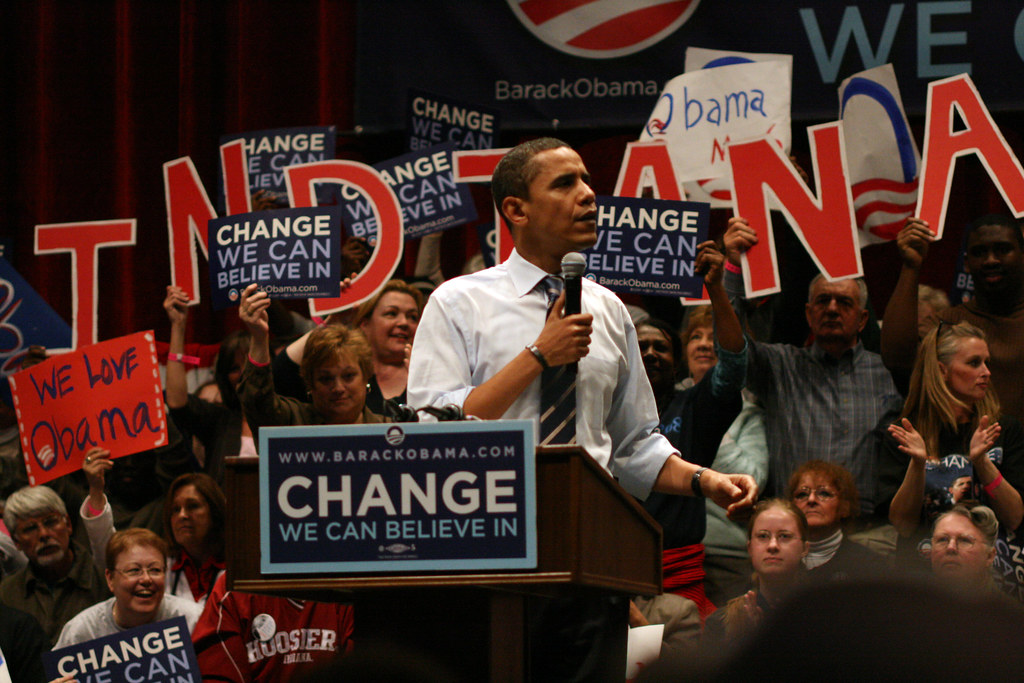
(574, 264)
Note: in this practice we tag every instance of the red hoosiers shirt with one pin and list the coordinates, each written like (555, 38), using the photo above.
(245, 637)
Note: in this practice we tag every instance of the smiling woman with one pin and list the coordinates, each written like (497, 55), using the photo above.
(193, 522)
(135, 574)
(389, 321)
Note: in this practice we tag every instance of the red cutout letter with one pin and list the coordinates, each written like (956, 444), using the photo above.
(942, 146)
(300, 180)
(188, 210)
(236, 177)
(639, 157)
(477, 166)
(83, 241)
(825, 225)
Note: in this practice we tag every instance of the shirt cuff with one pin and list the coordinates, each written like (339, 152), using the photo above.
(84, 511)
(645, 464)
(733, 284)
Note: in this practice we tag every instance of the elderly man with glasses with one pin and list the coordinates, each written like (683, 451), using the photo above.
(60, 579)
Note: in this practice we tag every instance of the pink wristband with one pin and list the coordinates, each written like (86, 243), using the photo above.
(93, 512)
(732, 268)
(259, 365)
(188, 360)
(994, 484)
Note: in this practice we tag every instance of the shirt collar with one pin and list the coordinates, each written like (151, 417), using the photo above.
(524, 274)
(184, 558)
(819, 354)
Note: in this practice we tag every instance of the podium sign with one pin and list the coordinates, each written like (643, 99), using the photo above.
(398, 497)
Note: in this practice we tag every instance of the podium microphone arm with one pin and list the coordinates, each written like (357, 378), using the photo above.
(449, 413)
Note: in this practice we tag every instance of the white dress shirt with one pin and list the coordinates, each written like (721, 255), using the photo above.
(474, 325)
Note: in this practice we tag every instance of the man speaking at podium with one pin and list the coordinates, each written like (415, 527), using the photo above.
(507, 342)
(486, 339)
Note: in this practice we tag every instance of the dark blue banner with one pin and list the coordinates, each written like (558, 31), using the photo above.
(648, 246)
(572, 63)
(430, 198)
(290, 253)
(396, 497)
(154, 653)
(269, 152)
(25, 319)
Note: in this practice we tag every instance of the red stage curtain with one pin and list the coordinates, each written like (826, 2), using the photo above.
(98, 95)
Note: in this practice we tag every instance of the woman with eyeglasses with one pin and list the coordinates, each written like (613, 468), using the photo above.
(777, 543)
(963, 548)
(827, 495)
(136, 562)
(951, 428)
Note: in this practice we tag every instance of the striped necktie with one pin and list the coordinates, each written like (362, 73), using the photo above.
(557, 388)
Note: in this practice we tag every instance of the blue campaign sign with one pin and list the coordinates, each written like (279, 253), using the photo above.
(430, 198)
(433, 120)
(25, 319)
(398, 497)
(291, 253)
(648, 246)
(269, 152)
(154, 653)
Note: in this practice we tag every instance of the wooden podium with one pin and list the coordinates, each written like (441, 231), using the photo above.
(592, 537)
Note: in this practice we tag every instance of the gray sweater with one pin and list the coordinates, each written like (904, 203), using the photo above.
(98, 621)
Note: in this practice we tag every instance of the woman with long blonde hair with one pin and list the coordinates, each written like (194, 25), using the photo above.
(951, 430)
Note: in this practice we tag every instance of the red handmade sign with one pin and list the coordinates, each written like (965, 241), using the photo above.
(105, 395)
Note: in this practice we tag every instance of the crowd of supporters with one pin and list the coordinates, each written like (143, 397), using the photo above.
(902, 460)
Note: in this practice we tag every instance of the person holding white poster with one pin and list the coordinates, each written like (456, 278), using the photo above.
(700, 112)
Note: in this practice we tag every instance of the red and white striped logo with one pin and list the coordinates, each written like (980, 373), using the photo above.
(602, 29)
(882, 205)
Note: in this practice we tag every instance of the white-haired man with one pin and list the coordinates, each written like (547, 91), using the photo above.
(60, 579)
